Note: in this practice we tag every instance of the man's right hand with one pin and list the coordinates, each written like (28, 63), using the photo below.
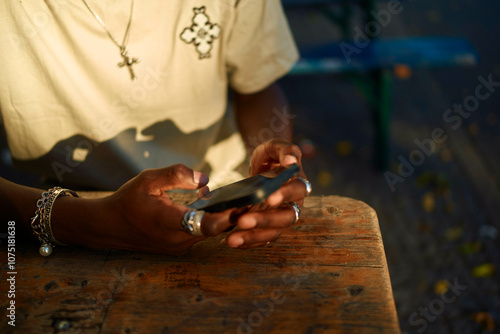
(139, 216)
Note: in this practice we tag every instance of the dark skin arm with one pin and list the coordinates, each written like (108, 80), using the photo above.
(16, 200)
(138, 216)
(262, 116)
(267, 127)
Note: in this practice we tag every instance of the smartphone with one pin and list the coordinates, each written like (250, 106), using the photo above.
(246, 192)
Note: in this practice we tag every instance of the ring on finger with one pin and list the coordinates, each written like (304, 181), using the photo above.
(307, 184)
(191, 222)
(296, 209)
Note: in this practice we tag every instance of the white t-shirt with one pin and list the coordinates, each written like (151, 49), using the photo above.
(73, 115)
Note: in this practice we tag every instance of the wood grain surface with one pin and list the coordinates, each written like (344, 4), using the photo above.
(327, 274)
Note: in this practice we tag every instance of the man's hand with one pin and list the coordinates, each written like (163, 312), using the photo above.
(140, 216)
(260, 227)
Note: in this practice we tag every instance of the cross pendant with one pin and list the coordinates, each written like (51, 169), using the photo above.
(128, 61)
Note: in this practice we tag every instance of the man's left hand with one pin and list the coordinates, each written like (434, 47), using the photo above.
(258, 228)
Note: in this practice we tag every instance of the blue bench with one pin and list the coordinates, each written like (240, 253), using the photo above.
(301, 3)
(415, 52)
(375, 60)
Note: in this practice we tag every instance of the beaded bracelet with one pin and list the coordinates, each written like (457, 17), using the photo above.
(41, 222)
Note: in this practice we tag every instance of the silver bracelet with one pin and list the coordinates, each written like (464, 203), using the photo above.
(41, 223)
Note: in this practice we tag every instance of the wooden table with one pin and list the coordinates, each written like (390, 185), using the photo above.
(327, 274)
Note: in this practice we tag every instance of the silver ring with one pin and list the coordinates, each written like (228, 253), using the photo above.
(307, 184)
(296, 209)
(191, 222)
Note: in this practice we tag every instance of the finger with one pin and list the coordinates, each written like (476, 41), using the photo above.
(203, 191)
(275, 151)
(272, 151)
(174, 214)
(281, 217)
(293, 191)
(252, 238)
(215, 223)
(173, 177)
(163, 232)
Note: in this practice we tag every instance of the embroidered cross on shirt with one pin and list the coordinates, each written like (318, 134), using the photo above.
(201, 33)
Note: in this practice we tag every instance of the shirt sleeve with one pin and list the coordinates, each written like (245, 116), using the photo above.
(261, 48)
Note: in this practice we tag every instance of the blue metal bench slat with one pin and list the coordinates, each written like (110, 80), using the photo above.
(387, 52)
(297, 3)
(292, 3)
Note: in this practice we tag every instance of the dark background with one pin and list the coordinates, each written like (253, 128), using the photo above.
(442, 223)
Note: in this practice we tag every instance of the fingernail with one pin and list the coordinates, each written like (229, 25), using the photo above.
(289, 160)
(200, 178)
(275, 199)
(248, 222)
(236, 242)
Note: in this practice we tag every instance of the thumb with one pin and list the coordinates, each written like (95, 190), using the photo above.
(288, 160)
(177, 177)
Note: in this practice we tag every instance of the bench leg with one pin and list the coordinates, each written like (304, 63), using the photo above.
(382, 80)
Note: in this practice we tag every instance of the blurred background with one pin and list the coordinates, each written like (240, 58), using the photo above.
(440, 224)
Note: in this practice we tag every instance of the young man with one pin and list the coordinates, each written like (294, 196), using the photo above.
(94, 93)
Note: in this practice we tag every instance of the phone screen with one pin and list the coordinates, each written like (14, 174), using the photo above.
(246, 192)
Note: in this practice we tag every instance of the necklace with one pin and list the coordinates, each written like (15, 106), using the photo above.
(127, 60)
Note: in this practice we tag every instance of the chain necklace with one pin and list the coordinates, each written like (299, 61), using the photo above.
(127, 60)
